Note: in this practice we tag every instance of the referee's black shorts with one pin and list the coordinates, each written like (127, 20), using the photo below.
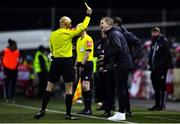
(88, 71)
(61, 67)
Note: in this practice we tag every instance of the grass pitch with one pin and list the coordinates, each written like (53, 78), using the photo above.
(23, 110)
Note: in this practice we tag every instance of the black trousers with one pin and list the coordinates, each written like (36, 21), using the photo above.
(121, 81)
(99, 87)
(158, 79)
(10, 83)
(42, 77)
(109, 91)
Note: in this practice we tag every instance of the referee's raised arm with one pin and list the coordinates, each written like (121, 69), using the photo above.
(62, 64)
(85, 23)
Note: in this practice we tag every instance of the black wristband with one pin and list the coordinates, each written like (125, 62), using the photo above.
(52, 57)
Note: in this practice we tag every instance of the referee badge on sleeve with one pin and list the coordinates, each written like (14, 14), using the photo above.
(89, 44)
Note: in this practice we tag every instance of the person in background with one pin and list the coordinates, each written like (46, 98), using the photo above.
(85, 51)
(109, 80)
(177, 63)
(99, 50)
(41, 67)
(30, 91)
(106, 71)
(135, 46)
(134, 43)
(10, 60)
(160, 61)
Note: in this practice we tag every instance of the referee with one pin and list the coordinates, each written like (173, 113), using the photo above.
(62, 64)
(85, 51)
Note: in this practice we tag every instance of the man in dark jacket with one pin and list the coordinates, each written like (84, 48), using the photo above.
(134, 43)
(122, 63)
(99, 80)
(135, 46)
(41, 67)
(105, 76)
(159, 62)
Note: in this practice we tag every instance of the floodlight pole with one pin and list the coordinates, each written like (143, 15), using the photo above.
(109, 12)
(53, 12)
(164, 19)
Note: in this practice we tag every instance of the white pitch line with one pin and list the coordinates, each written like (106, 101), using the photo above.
(161, 118)
(60, 112)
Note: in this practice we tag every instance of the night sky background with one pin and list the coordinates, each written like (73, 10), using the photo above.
(36, 14)
(138, 4)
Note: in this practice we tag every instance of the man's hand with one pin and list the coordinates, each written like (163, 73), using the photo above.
(89, 10)
(101, 69)
(51, 57)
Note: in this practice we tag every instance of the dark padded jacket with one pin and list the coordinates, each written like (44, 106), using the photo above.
(134, 43)
(160, 55)
(118, 50)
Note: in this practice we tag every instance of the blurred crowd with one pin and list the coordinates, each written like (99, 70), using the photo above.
(139, 80)
(29, 81)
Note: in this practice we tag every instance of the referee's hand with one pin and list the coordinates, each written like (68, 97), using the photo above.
(89, 10)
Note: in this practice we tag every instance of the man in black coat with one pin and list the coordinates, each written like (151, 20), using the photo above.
(105, 76)
(99, 77)
(159, 62)
(135, 46)
(122, 63)
(134, 43)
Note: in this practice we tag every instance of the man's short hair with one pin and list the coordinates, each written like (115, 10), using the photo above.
(117, 20)
(108, 20)
(41, 48)
(155, 29)
(11, 42)
(64, 20)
